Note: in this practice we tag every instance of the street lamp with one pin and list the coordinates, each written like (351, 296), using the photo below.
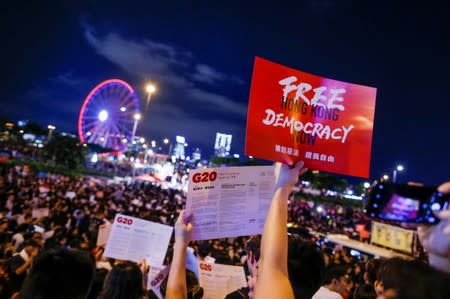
(385, 177)
(51, 128)
(399, 168)
(147, 152)
(137, 118)
(150, 89)
(167, 141)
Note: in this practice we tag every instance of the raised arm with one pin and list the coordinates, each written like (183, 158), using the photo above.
(176, 285)
(273, 280)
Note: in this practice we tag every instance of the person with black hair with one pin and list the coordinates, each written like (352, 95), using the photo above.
(21, 262)
(194, 290)
(358, 274)
(365, 291)
(252, 248)
(335, 282)
(305, 267)
(411, 279)
(59, 274)
(372, 266)
(436, 238)
(97, 284)
(124, 281)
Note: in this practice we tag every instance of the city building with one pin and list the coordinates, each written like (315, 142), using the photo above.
(222, 145)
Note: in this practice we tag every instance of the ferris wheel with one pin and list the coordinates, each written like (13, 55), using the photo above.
(108, 115)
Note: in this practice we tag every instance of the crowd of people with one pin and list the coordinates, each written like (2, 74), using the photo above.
(55, 254)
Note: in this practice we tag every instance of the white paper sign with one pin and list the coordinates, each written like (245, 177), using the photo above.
(219, 280)
(104, 230)
(229, 202)
(43, 189)
(21, 219)
(134, 239)
(40, 213)
(156, 277)
(70, 194)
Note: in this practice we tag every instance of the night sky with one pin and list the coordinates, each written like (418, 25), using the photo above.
(201, 56)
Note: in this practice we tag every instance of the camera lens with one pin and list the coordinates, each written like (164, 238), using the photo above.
(436, 206)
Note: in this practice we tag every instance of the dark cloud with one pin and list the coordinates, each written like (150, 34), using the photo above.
(175, 108)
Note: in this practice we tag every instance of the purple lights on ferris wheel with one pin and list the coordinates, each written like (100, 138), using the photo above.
(107, 115)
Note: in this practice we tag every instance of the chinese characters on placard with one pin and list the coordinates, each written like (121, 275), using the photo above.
(308, 155)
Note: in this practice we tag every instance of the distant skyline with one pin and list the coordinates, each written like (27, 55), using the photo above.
(201, 57)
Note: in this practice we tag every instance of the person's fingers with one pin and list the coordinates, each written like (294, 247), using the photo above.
(299, 165)
(444, 188)
(303, 171)
(277, 168)
(180, 219)
(424, 232)
(189, 218)
(443, 215)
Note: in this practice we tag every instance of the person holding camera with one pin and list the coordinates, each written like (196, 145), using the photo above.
(436, 238)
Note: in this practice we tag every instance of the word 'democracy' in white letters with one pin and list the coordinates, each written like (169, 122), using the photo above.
(314, 129)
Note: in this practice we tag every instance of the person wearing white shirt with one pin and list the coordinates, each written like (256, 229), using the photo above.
(335, 282)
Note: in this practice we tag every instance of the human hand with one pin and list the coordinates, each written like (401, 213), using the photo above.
(34, 252)
(251, 281)
(183, 229)
(145, 268)
(436, 238)
(98, 253)
(285, 176)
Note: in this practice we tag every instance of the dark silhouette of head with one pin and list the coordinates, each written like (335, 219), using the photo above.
(59, 274)
(305, 266)
(411, 279)
(365, 291)
(192, 284)
(124, 282)
(336, 278)
(372, 267)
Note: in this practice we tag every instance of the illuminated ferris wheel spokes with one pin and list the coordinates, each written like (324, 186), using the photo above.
(106, 117)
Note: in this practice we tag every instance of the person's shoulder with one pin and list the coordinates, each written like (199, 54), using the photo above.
(334, 295)
(324, 293)
(337, 296)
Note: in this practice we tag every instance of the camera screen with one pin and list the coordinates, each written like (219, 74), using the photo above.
(354, 252)
(401, 208)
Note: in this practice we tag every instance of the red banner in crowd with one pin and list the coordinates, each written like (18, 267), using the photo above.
(293, 115)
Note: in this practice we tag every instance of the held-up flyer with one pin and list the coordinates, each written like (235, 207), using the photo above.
(293, 115)
(134, 239)
(219, 280)
(229, 202)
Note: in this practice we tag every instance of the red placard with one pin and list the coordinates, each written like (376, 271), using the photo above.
(293, 115)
